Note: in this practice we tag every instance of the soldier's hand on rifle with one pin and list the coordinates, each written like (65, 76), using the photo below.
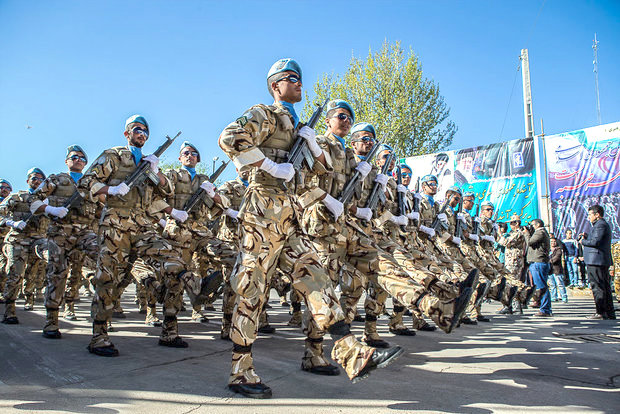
(179, 215)
(231, 213)
(474, 237)
(429, 231)
(399, 220)
(414, 215)
(417, 195)
(162, 223)
(59, 212)
(488, 238)
(209, 188)
(333, 205)
(364, 168)
(154, 161)
(118, 190)
(401, 189)
(284, 171)
(443, 218)
(456, 240)
(461, 217)
(382, 179)
(363, 213)
(309, 135)
(17, 225)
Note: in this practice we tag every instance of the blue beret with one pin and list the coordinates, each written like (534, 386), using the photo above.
(364, 126)
(428, 178)
(403, 165)
(35, 170)
(189, 144)
(284, 65)
(469, 194)
(386, 147)
(487, 203)
(76, 148)
(3, 181)
(136, 118)
(455, 189)
(339, 103)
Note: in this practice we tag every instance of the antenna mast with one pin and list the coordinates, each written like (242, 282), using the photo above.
(598, 100)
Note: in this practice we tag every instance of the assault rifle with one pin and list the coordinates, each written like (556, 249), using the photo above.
(436, 221)
(200, 194)
(73, 201)
(416, 200)
(143, 170)
(378, 194)
(476, 226)
(300, 151)
(349, 188)
(458, 228)
(402, 209)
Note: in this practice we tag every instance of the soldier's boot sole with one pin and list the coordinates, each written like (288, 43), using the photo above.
(52, 334)
(328, 370)
(460, 305)
(402, 332)
(482, 287)
(259, 390)
(379, 359)
(427, 328)
(104, 351)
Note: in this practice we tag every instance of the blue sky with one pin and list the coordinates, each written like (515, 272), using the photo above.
(75, 70)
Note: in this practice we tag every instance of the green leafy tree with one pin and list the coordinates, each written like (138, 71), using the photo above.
(389, 90)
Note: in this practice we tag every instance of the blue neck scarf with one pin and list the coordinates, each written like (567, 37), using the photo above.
(339, 140)
(289, 107)
(245, 182)
(361, 157)
(191, 171)
(31, 191)
(430, 199)
(76, 175)
(137, 153)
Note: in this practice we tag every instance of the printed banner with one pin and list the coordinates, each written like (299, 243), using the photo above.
(502, 173)
(583, 169)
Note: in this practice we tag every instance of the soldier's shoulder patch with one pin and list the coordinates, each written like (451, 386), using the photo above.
(242, 120)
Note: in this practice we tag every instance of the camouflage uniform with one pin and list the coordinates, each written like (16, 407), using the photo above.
(66, 236)
(127, 234)
(228, 232)
(193, 238)
(514, 260)
(4, 230)
(25, 251)
(271, 237)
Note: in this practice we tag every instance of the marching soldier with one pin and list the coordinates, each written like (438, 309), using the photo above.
(70, 230)
(271, 237)
(5, 190)
(128, 235)
(25, 244)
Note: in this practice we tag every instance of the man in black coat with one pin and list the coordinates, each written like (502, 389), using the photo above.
(597, 255)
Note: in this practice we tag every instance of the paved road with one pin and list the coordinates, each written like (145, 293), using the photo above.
(514, 364)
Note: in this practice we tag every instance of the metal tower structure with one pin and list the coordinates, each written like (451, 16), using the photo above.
(527, 94)
(595, 62)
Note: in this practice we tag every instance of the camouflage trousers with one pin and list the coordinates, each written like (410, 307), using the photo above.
(25, 258)
(452, 270)
(2, 270)
(63, 241)
(265, 245)
(151, 256)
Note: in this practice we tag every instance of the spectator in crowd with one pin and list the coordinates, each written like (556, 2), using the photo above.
(597, 256)
(537, 256)
(500, 250)
(581, 265)
(571, 259)
(556, 280)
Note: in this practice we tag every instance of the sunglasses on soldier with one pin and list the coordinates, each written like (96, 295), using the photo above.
(5, 187)
(138, 130)
(364, 139)
(188, 153)
(344, 117)
(405, 174)
(76, 157)
(291, 79)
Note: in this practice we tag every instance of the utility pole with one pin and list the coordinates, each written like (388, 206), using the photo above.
(527, 94)
(598, 100)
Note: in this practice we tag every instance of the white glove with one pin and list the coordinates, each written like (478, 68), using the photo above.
(414, 215)
(231, 213)
(59, 212)
(399, 220)
(382, 179)
(474, 237)
(364, 168)
(18, 225)
(488, 238)
(428, 230)
(309, 135)
(363, 213)
(118, 190)
(461, 217)
(333, 205)
(284, 171)
(495, 226)
(209, 188)
(162, 223)
(442, 217)
(401, 189)
(179, 215)
(456, 240)
(417, 195)
(154, 162)
(477, 219)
